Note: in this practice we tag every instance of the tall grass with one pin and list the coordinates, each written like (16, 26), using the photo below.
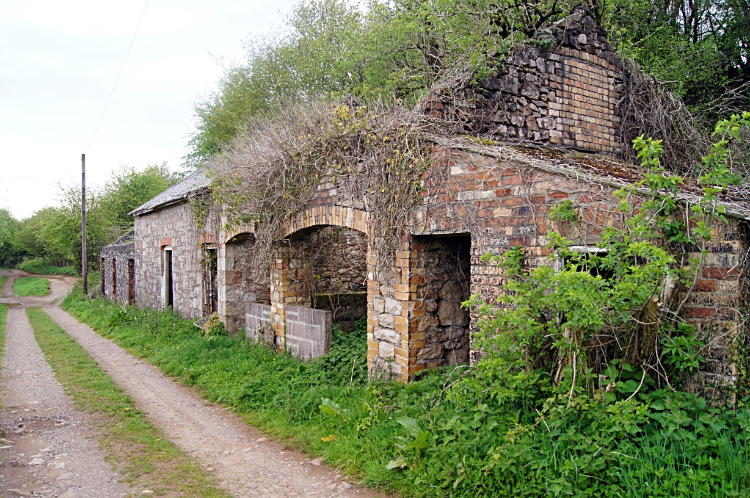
(462, 442)
(31, 286)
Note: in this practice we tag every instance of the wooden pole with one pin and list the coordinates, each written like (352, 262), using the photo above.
(84, 263)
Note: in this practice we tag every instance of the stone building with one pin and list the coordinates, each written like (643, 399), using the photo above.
(549, 123)
(175, 259)
(117, 270)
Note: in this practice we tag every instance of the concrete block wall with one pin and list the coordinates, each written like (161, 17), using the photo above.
(258, 325)
(308, 332)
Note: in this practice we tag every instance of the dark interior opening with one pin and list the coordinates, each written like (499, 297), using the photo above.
(169, 296)
(446, 261)
(210, 289)
(131, 281)
(102, 279)
(332, 270)
(114, 278)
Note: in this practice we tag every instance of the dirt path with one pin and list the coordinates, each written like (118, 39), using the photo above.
(245, 463)
(49, 447)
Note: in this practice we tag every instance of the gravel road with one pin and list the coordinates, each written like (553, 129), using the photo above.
(244, 461)
(49, 447)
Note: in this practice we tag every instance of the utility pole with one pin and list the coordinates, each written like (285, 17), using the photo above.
(84, 264)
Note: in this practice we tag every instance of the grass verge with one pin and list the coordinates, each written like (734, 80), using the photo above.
(480, 438)
(31, 286)
(135, 447)
(3, 281)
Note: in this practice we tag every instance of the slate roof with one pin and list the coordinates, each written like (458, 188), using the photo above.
(193, 183)
(123, 243)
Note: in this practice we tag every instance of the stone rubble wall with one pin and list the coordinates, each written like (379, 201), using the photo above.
(445, 264)
(565, 96)
(236, 285)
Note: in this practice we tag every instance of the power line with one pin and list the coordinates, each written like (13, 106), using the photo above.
(118, 77)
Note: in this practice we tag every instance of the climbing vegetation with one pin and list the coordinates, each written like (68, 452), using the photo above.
(368, 155)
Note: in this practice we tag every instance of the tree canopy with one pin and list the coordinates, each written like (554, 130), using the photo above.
(399, 49)
(53, 234)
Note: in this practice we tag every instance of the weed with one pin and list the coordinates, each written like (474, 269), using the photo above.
(482, 437)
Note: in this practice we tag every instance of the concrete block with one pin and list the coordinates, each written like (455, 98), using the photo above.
(308, 331)
(258, 325)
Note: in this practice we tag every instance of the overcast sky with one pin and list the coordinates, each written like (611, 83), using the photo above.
(58, 64)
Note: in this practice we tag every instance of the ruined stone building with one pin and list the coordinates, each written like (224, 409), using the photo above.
(549, 123)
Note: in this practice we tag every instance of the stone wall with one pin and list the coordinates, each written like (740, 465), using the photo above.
(715, 306)
(445, 267)
(236, 285)
(170, 227)
(565, 95)
(117, 270)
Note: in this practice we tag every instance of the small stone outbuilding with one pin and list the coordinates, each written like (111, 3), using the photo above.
(175, 257)
(117, 270)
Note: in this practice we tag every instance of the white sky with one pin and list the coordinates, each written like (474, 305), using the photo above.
(58, 64)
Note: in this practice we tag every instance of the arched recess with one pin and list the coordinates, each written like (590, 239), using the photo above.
(236, 286)
(320, 265)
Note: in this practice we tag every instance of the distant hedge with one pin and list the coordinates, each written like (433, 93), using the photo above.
(38, 267)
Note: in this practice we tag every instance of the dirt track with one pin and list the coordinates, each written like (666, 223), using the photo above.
(245, 463)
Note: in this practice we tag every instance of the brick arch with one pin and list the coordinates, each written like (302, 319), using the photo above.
(355, 219)
(282, 293)
(238, 232)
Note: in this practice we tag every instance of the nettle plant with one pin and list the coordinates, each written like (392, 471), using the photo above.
(607, 322)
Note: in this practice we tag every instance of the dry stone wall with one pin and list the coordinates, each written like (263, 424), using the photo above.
(565, 95)
(445, 281)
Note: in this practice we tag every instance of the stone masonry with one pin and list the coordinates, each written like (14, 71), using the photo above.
(117, 270)
(565, 95)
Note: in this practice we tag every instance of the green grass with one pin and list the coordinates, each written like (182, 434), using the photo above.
(474, 444)
(38, 267)
(3, 281)
(31, 286)
(132, 444)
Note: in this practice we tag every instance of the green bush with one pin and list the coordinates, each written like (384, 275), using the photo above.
(38, 267)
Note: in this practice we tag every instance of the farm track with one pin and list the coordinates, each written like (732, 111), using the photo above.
(245, 463)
